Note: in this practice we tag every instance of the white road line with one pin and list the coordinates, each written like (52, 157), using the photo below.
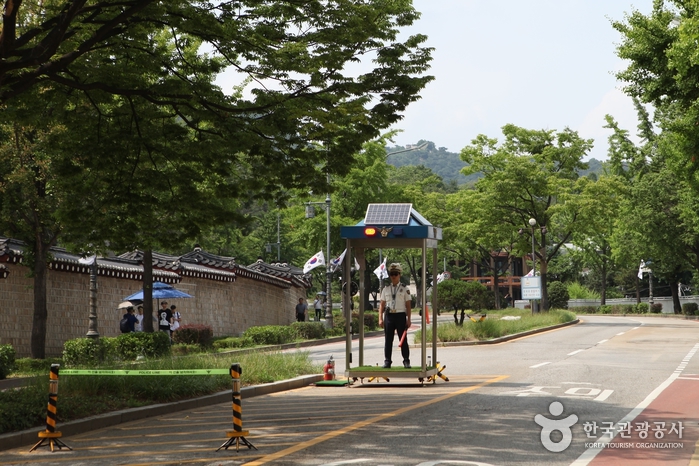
(576, 352)
(620, 333)
(604, 395)
(588, 455)
(635, 328)
(539, 365)
(603, 341)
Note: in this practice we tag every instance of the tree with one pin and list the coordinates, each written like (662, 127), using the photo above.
(652, 216)
(154, 151)
(453, 294)
(532, 174)
(597, 205)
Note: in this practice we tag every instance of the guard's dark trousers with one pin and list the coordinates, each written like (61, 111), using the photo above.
(395, 323)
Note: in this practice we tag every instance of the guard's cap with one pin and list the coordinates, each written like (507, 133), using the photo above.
(395, 267)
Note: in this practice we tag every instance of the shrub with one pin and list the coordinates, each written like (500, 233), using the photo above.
(578, 291)
(231, 342)
(371, 320)
(605, 309)
(270, 334)
(690, 309)
(309, 330)
(656, 308)
(585, 309)
(623, 309)
(129, 346)
(558, 295)
(642, 308)
(194, 334)
(84, 351)
(7, 360)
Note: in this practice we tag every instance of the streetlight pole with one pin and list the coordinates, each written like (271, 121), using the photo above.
(310, 213)
(268, 246)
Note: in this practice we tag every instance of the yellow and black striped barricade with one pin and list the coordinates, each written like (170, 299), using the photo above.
(237, 435)
(51, 434)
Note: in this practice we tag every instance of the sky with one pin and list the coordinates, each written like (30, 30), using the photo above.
(538, 64)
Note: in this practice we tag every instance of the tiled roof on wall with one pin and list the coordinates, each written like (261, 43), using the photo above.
(284, 271)
(11, 250)
(166, 268)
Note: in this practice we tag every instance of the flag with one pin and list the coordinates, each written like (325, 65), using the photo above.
(87, 260)
(356, 264)
(640, 270)
(380, 271)
(335, 263)
(314, 262)
(530, 274)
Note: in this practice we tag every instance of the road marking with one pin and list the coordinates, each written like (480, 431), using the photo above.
(588, 455)
(539, 365)
(381, 417)
(576, 352)
(621, 333)
(604, 395)
(603, 341)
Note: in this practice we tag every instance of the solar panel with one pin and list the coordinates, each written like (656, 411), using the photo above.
(388, 214)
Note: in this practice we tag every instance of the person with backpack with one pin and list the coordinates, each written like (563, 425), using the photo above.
(128, 321)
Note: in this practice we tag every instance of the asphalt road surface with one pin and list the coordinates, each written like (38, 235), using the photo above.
(610, 390)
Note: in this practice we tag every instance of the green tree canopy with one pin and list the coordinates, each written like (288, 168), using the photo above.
(531, 174)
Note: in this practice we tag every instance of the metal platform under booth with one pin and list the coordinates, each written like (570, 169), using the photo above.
(390, 226)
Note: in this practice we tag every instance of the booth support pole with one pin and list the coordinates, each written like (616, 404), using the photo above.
(435, 303)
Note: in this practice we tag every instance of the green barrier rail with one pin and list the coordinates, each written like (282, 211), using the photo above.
(145, 372)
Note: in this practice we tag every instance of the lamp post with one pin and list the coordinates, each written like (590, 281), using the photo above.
(532, 224)
(310, 213)
(268, 246)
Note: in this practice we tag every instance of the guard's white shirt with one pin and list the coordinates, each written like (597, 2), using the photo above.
(401, 296)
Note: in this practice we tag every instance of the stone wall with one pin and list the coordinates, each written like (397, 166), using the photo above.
(228, 307)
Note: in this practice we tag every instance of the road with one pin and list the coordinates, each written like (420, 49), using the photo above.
(546, 399)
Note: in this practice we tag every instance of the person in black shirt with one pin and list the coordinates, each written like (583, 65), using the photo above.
(164, 318)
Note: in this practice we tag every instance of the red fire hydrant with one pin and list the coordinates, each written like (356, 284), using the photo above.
(329, 369)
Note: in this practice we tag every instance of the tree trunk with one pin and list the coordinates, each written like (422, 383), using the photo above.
(603, 294)
(674, 289)
(148, 290)
(544, 271)
(38, 341)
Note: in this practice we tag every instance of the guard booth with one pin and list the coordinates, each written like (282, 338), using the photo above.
(390, 226)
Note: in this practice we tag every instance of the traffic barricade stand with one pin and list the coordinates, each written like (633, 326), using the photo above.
(440, 368)
(51, 434)
(237, 435)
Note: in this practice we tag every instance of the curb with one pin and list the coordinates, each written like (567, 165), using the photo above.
(79, 426)
(494, 341)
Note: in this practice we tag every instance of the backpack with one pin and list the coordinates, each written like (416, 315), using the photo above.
(124, 325)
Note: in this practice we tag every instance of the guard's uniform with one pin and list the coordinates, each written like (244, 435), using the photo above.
(395, 318)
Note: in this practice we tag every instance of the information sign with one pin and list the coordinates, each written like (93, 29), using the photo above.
(531, 287)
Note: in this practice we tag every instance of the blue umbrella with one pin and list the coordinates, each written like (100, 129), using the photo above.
(161, 291)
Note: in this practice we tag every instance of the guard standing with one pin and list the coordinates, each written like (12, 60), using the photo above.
(394, 315)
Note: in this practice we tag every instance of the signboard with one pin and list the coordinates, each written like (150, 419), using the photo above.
(531, 287)
(446, 275)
